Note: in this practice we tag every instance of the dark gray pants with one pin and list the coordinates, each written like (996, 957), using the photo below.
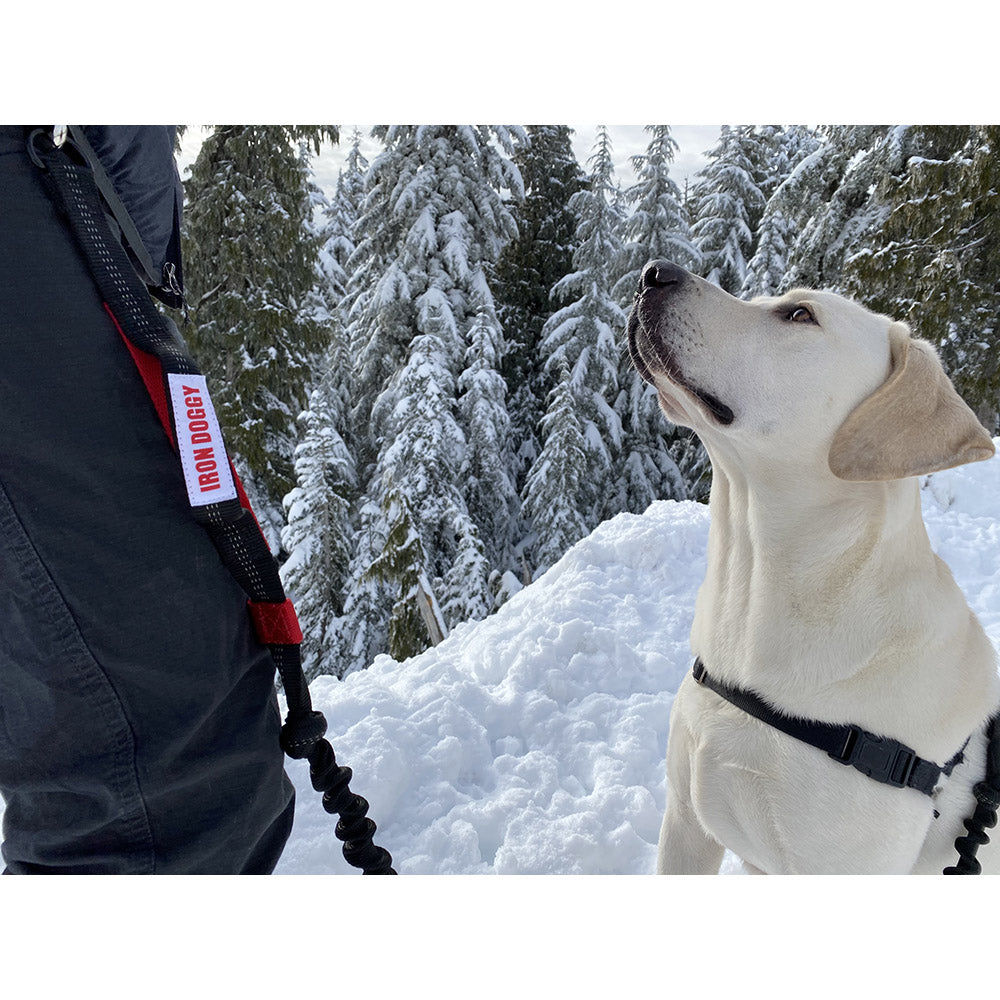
(138, 720)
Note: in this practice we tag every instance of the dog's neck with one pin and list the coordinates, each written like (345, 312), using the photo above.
(808, 526)
(810, 581)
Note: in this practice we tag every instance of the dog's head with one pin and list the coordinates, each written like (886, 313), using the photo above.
(809, 374)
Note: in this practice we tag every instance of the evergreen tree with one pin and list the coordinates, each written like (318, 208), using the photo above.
(934, 259)
(423, 461)
(556, 478)
(415, 619)
(647, 467)
(431, 226)
(336, 262)
(341, 218)
(529, 266)
(490, 493)
(318, 534)
(828, 205)
(584, 335)
(657, 228)
(249, 270)
(727, 201)
(783, 149)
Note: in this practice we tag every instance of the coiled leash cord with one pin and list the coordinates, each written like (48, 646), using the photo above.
(216, 495)
(987, 793)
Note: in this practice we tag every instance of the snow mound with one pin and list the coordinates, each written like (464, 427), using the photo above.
(534, 741)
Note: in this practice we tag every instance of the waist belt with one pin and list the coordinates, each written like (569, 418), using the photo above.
(879, 757)
(215, 494)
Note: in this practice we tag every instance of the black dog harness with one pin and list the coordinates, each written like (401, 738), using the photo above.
(879, 757)
(885, 760)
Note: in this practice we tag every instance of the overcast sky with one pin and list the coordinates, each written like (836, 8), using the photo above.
(626, 140)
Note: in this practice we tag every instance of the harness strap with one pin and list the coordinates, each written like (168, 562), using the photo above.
(160, 356)
(879, 757)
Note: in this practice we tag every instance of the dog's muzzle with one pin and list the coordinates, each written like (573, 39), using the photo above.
(659, 287)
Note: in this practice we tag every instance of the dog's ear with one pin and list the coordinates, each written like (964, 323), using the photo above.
(915, 423)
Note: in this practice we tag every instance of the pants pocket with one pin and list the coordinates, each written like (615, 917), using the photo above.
(67, 751)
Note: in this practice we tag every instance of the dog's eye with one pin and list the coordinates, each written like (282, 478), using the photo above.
(801, 315)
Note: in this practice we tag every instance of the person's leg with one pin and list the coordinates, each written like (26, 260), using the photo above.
(138, 721)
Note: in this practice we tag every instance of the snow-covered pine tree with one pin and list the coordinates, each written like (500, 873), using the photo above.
(766, 269)
(416, 619)
(432, 223)
(727, 200)
(935, 257)
(529, 265)
(556, 477)
(432, 216)
(341, 217)
(657, 229)
(249, 269)
(364, 628)
(827, 203)
(585, 335)
(318, 534)
(423, 460)
(783, 148)
(490, 493)
(335, 261)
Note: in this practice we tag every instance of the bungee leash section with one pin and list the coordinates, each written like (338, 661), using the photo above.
(215, 494)
(987, 793)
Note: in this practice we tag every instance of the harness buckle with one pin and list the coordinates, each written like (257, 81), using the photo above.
(883, 759)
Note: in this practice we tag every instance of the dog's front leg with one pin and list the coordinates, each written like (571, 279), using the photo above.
(685, 848)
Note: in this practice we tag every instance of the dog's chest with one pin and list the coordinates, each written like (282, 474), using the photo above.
(787, 808)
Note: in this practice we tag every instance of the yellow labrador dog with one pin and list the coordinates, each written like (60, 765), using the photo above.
(823, 600)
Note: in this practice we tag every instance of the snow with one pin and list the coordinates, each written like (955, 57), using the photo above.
(533, 742)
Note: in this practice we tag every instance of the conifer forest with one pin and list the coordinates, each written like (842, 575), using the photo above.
(423, 378)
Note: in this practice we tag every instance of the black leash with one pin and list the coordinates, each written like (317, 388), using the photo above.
(987, 793)
(177, 390)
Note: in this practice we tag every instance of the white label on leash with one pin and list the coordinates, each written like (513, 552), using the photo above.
(203, 455)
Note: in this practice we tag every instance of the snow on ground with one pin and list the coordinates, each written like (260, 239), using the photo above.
(533, 742)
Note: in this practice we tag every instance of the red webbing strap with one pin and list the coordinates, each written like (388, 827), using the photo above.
(151, 372)
(275, 623)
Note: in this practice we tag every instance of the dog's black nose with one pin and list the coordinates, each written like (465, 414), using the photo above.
(662, 274)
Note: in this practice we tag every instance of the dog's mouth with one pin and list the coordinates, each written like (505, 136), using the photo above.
(648, 351)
